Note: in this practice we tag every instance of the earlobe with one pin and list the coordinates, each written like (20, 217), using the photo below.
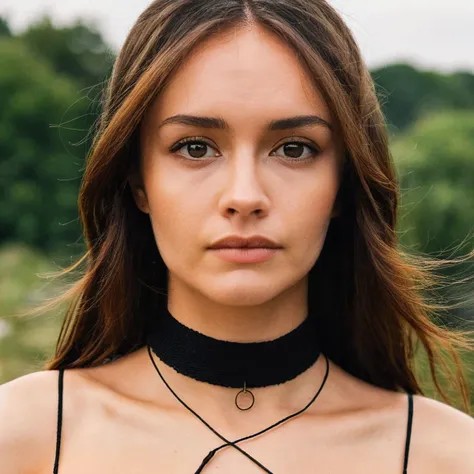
(139, 194)
(142, 204)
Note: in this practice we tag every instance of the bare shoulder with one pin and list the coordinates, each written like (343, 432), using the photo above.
(443, 435)
(28, 412)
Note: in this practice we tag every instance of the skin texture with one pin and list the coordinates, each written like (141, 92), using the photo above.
(120, 417)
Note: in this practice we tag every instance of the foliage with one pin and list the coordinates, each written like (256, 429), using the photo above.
(4, 28)
(435, 162)
(77, 51)
(407, 93)
(435, 159)
(39, 176)
(50, 84)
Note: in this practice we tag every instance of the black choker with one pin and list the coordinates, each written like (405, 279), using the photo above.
(234, 364)
(228, 363)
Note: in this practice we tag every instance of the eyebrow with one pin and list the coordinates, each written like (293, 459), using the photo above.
(221, 124)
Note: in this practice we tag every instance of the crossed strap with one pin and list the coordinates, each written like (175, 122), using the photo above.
(212, 453)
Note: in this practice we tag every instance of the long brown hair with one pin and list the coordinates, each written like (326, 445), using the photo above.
(371, 298)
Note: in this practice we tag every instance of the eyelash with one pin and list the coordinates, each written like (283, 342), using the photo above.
(315, 150)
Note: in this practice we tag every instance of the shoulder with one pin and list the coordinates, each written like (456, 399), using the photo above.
(28, 414)
(442, 436)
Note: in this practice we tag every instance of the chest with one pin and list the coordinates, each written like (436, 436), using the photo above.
(178, 446)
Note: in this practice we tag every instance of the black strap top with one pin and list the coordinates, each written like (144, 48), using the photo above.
(60, 421)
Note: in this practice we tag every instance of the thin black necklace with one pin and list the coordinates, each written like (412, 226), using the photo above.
(234, 443)
(234, 364)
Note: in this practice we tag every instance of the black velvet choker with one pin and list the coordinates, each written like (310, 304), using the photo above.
(234, 364)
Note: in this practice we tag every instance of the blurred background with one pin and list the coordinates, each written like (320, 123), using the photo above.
(54, 60)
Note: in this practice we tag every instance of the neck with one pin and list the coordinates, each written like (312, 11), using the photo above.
(216, 404)
(243, 323)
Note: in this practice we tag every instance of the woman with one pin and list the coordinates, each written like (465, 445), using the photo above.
(239, 206)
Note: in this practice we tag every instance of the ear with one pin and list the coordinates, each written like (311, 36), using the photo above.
(138, 192)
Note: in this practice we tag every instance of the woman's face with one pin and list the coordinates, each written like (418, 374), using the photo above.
(237, 175)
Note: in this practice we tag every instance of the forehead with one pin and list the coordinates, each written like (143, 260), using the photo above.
(248, 70)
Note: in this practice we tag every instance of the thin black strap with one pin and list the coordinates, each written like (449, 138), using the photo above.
(211, 454)
(408, 438)
(60, 419)
(234, 443)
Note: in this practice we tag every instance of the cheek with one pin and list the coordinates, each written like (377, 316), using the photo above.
(175, 211)
(311, 209)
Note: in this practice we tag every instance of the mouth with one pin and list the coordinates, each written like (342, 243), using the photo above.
(245, 254)
(240, 242)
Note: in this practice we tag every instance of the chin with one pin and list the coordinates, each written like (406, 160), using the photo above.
(243, 291)
(239, 297)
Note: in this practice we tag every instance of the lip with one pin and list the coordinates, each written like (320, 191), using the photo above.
(241, 242)
(245, 254)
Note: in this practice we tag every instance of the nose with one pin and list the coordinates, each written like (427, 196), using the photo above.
(244, 192)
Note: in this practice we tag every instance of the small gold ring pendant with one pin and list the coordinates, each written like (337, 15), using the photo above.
(248, 399)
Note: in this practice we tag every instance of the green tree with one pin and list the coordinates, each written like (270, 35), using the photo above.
(435, 159)
(77, 51)
(39, 174)
(4, 27)
(407, 93)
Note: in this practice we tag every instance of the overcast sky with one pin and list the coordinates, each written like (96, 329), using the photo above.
(430, 33)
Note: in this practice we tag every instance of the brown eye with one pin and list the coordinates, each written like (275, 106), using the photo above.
(196, 149)
(296, 151)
